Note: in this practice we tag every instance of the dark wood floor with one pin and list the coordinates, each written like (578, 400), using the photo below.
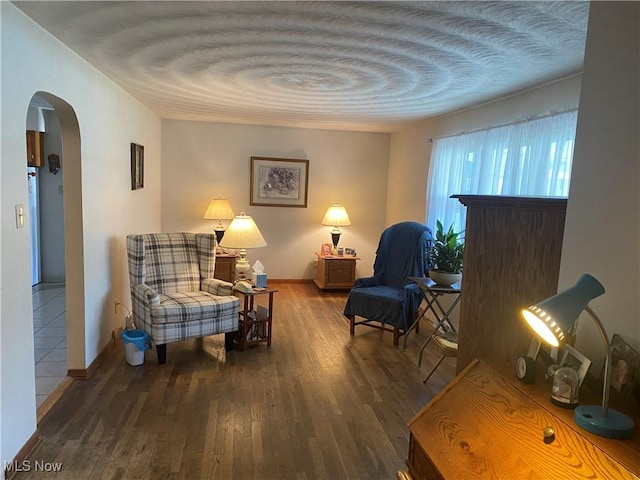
(318, 403)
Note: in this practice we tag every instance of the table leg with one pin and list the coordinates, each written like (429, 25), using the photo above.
(441, 320)
(270, 320)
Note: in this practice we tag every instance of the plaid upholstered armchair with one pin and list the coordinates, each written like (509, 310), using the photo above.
(173, 292)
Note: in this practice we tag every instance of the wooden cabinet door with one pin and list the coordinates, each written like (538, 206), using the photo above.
(35, 149)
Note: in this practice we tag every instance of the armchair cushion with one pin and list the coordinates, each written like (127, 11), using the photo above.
(190, 306)
(393, 306)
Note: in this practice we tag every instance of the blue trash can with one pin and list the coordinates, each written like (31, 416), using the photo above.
(135, 343)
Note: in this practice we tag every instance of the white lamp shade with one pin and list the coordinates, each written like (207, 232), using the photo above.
(336, 216)
(219, 209)
(243, 233)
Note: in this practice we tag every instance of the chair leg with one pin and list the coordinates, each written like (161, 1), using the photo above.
(228, 340)
(352, 324)
(434, 368)
(161, 350)
(396, 336)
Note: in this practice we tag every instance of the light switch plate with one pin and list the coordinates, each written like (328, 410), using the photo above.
(19, 216)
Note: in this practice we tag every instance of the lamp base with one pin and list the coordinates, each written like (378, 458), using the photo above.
(242, 265)
(335, 238)
(219, 235)
(612, 425)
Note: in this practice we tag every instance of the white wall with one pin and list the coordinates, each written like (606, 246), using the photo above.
(201, 161)
(109, 119)
(602, 232)
(410, 151)
(51, 206)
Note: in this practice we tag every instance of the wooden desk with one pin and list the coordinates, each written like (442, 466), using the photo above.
(484, 426)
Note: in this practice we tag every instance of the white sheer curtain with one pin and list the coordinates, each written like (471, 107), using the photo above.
(531, 158)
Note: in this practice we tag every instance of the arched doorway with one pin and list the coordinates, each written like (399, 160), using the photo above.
(73, 230)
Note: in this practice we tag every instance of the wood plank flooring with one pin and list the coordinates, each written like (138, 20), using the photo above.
(317, 404)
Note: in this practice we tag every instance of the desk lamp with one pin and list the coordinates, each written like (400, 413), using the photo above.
(336, 217)
(550, 320)
(243, 233)
(219, 209)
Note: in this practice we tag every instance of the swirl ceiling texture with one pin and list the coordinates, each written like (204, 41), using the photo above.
(364, 66)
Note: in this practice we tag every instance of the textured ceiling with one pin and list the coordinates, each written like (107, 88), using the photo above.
(371, 66)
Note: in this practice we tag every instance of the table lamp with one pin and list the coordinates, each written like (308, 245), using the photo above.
(336, 217)
(243, 233)
(551, 319)
(219, 209)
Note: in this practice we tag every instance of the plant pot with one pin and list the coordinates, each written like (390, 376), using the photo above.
(445, 279)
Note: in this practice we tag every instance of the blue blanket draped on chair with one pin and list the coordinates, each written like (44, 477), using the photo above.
(389, 296)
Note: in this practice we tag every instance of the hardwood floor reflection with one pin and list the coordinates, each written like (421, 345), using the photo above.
(317, 404)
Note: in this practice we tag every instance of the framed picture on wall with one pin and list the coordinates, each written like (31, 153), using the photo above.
(279, 182)
(137, 166)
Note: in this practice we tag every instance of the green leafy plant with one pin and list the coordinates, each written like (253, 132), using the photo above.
(447, 250)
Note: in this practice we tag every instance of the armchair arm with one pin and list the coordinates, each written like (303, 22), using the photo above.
(145, 294)
(365, 282)
(217, 287)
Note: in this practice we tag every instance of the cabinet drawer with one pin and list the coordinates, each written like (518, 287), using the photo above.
(340, 272)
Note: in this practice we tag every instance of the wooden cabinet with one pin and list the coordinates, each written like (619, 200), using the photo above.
(35, 148)
(485, 425)
(225, 267)
(335, 272)
(511, 260)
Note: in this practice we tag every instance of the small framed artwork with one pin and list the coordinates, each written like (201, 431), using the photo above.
(279, 182)
(625, 367)
(137, 166)
(572, 358)
(326, 249)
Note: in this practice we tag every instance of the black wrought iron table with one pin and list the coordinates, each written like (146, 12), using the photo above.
(432, 292)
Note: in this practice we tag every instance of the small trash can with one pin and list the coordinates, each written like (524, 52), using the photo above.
(135, 343)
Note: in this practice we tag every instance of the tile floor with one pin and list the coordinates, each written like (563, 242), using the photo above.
(49, 337)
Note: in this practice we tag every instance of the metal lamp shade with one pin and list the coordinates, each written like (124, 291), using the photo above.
(552, 318)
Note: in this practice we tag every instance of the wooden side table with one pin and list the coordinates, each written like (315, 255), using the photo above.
(256, 321)
(225, 267)
(336, 272)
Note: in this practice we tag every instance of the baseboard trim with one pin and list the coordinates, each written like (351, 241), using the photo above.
(84, 374)
(291, 280)
(18, 461)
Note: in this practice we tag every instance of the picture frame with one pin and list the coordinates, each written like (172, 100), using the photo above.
(326, 249)
(137, 166)
(279, 182)
(572, 358)
(625, 368)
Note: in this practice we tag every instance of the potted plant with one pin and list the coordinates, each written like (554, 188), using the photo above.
(446, 255)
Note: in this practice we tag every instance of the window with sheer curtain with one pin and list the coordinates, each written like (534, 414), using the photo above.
(529, 158)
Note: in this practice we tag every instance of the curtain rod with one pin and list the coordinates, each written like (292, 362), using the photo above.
(515, 122)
